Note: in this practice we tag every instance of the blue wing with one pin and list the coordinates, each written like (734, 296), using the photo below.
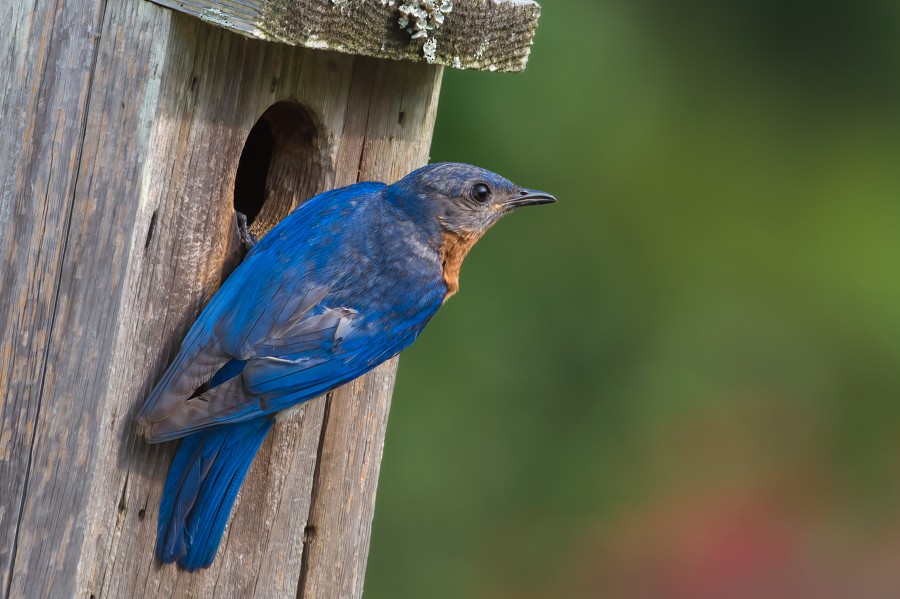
(305, 312)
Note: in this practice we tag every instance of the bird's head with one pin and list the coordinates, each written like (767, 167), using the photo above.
(466, 200)
(459, 203)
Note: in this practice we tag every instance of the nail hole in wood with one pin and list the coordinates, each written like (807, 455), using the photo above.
(309, 533)
(150, 229)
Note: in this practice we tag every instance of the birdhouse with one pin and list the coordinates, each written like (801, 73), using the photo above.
(130, 134)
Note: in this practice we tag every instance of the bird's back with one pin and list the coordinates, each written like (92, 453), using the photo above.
(340, 285)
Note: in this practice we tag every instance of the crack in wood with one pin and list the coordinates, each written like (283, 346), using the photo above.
(309, 529)
(79, 143)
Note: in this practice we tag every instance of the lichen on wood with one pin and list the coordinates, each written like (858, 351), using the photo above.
(489, 35)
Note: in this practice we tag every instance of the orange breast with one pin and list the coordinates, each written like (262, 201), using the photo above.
(453, 250)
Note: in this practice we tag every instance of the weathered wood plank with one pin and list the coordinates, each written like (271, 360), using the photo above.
(343, 503)
(44, 83)
(110, 265)
(489, 35)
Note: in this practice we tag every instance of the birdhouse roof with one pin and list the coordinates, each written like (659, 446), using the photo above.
(488, 35)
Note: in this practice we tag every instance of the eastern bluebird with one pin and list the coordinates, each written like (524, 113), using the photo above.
(346, 281)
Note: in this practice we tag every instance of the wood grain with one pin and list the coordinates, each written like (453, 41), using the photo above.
(120, 136)
(488, 35)
(45, 80)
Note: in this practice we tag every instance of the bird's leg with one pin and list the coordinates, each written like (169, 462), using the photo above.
(247, 238)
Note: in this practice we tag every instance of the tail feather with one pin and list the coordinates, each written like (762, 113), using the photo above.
(202, 485)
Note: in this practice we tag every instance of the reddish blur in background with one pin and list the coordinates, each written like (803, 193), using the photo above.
(682, 380)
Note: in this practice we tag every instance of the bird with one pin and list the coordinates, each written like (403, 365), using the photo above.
(346, 281)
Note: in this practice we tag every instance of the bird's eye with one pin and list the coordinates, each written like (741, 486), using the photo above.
(481, 193)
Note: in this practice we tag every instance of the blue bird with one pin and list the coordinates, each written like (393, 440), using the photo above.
(346, 281)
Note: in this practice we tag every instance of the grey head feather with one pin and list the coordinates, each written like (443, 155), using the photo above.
(462, 199)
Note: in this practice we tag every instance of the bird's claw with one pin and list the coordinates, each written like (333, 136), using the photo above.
(247, 238)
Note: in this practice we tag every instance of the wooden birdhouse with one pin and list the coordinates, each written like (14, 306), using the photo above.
(130, 132)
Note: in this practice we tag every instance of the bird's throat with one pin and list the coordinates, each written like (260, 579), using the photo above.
(454, 248)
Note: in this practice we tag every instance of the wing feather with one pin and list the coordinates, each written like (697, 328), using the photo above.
(311, 341)
(193, 366)
(276, 335)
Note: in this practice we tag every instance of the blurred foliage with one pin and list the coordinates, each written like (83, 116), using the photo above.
(682, 379)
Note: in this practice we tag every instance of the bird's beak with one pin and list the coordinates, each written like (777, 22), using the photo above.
(529, 197)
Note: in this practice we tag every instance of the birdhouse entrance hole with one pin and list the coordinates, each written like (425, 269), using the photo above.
(281, 165)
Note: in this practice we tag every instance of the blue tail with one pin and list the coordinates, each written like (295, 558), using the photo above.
(201, 487)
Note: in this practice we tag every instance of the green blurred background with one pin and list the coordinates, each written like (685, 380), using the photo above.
(683, 379)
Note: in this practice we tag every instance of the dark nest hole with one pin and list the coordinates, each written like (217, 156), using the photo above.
(280, 166)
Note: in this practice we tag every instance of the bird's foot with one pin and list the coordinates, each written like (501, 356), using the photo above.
(247, 238)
